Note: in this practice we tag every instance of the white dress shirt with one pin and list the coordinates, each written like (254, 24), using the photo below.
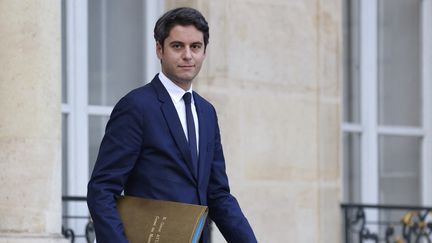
(176, 93)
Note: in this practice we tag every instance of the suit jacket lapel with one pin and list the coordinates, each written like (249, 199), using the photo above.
(202, 121)
(174, 124)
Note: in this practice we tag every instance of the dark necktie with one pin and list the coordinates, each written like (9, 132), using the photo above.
(191, 131)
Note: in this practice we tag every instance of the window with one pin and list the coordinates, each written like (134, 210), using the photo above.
(387, 105)
(108, 50)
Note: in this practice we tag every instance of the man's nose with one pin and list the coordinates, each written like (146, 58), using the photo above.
(187, 53)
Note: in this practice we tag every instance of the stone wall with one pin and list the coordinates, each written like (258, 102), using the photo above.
(30, 164)
(273, 72)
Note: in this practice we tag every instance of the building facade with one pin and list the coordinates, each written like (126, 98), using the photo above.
(319, 103)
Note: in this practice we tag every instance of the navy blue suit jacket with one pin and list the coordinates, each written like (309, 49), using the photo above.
(145, 153)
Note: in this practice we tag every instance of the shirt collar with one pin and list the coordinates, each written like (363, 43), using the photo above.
(176, 93)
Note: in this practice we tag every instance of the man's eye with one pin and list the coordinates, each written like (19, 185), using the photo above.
(176, 46)
(196, 46)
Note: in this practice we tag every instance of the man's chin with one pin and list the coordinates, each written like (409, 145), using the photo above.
(186, 78)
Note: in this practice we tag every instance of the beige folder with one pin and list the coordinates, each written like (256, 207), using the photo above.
(155, 221)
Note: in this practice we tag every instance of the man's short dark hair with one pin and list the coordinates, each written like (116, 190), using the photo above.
(180, 16)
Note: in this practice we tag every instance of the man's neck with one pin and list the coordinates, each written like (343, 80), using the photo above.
(185, 85)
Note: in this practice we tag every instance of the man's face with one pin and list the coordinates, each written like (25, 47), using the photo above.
(182, 54)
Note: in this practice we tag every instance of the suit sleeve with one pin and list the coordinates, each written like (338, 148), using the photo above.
(118, 152)
(224, 209)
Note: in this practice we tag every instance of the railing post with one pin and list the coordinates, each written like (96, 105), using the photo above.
(346, 224)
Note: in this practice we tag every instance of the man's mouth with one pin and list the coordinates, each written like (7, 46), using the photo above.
(186, 66)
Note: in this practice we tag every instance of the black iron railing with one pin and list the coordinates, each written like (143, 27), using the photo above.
(77, 226)
(387, 223)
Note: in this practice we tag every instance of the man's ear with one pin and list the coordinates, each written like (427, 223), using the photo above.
(159, 50)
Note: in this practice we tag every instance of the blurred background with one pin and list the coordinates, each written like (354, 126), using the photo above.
(324, 107)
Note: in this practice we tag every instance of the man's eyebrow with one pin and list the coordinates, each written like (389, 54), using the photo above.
(176, 42)
(182, 43)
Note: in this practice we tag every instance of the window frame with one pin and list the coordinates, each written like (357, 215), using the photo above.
(368, 126)
(76, 106)
(426, 47)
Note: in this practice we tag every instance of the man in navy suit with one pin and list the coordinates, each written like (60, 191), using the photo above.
(163, 142)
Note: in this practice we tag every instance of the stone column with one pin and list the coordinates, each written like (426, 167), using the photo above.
(30, 125)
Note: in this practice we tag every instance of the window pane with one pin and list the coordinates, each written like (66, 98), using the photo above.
(352, 169)
(116, 30)
(351, 81)
(64, 153)
(399, 63)
(96, 131)
(64, 53)
(399, 169)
